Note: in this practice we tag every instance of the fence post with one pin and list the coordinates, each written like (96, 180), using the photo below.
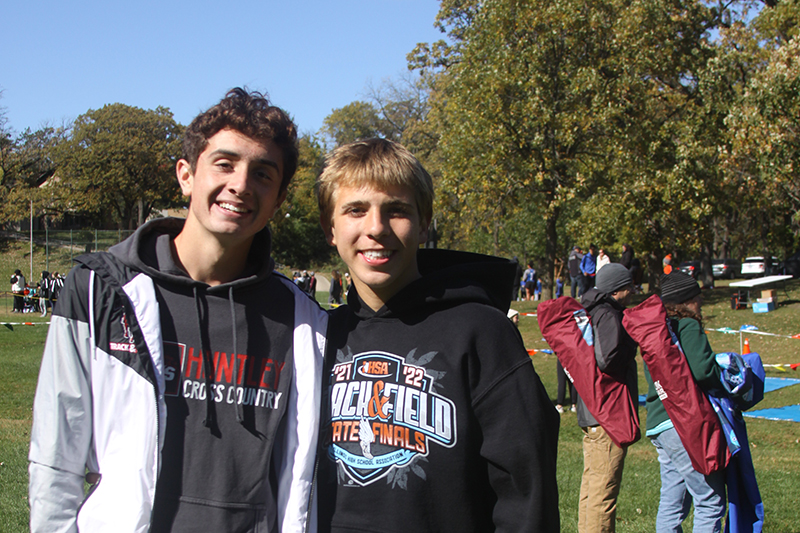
(71, 251)
(47, 247)
(95, 239)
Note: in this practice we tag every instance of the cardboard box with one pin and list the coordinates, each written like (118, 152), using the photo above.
(763, 307)
(769, 294)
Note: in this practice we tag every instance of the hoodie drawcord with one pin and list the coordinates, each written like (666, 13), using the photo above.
(239, 409)
(208, 369)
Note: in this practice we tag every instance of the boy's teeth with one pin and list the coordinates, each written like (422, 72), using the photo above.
(377, 254)
(231, 207)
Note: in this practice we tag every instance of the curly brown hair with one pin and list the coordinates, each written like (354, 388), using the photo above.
(682, 310)
(251, 114)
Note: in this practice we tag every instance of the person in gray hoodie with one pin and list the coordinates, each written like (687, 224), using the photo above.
(614, 352)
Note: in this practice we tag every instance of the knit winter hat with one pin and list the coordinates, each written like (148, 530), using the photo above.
(678, 287)
(612, 277)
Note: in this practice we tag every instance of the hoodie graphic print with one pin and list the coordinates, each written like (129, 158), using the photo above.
(433, 418)
(385, 412)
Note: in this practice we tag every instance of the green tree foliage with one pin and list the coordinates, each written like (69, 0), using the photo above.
(765, 150)
(298, 240)
(612, 122)
(357, 120)
(667, 187)
(779, 22)
(398, 109)
(7, 146)
(26, 176)
(403, 105)
(118, 165)
(529, 97)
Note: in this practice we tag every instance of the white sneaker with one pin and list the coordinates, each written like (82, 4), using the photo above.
(573, 408)
(560, 409)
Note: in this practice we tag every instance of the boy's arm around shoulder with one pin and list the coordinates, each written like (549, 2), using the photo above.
(519, 426)
(61, 437)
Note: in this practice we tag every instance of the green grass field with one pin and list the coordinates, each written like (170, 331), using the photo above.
(775, 445)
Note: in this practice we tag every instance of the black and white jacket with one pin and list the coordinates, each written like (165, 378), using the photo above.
(116, 356)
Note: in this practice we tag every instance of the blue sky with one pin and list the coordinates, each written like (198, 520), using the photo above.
(61, 58)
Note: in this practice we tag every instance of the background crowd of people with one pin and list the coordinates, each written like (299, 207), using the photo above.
(35, 298)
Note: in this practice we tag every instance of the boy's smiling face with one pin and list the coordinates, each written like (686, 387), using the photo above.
(235, 188)
(377, 234)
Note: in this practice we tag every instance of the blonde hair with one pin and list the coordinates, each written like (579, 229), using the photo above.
(378, 163)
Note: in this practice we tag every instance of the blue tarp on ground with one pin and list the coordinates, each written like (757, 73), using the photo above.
(771, 384)
(790, 412)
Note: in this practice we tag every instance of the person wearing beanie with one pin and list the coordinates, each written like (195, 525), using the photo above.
(615, 354)
(513, 316)
(681, 485)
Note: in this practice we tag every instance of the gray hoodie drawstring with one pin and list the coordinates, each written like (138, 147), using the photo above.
(208, 367)
(239, 409)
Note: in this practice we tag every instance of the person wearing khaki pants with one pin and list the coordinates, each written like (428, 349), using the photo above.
(615, 354)
(602, 478)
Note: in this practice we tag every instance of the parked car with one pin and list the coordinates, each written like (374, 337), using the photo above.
(753, 267)
(791, 266)
(690, 267)
(726, 268)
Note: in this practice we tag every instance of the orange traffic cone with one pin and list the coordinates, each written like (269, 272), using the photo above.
(746, 348)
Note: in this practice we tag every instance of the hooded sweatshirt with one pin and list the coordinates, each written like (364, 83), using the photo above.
(434, 419)
(615, 350)
(227, 384)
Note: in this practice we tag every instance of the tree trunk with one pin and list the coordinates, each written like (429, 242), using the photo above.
(654, 271)
(705, 265)
(551, 249)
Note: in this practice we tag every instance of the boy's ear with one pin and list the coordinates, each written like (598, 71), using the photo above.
(423, 232)
(279, 202)
(183, 170)
(327, 228)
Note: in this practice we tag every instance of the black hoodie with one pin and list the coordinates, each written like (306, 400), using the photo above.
(435, 419)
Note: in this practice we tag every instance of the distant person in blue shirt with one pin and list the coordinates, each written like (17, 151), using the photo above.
(589, 268)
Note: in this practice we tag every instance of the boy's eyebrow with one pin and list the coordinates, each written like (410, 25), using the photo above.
(236, 155)
(397, 202)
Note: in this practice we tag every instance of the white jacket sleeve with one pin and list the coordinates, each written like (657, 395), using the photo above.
(297, 451)
(61, 437)
(55, 496)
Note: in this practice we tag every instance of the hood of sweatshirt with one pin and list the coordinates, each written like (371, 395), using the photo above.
(149, 250)
(449, 278)
(592, 298)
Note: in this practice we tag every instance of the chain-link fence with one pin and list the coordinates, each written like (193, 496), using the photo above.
(51, 251)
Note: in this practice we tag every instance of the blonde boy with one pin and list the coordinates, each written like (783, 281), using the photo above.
(435, 419)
